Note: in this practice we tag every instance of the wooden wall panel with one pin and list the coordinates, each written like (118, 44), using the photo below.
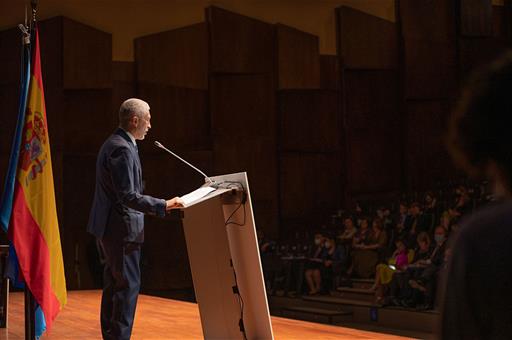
(371, 100)
(310, 185)
(10, 45)
(501, 18)
(179, 116)
(243, 105)
(365, 41)
(165, 263)
(239, 44)
(373, 129)
(258, 157)
(298, 59)
(329, 72)
(309, 120)
(426, 158)
(373, 161)
(87, 56)
(167, 177)
(430, 20)
(81, 270)
(9, 95)
(175, 58)
(165, 248)
(430, 69)
(123, 85)
(475, 18)
(52, 52)
(84, 107)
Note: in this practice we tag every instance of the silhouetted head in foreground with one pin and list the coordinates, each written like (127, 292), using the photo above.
(480, 131)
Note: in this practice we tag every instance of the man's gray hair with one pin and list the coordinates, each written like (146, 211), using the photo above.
(132, 107)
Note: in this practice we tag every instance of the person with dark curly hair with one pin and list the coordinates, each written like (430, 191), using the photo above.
(477, 302)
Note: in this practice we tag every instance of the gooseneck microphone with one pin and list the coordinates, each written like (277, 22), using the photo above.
(158, 144)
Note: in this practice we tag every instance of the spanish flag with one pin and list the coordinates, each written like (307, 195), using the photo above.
(33, 226)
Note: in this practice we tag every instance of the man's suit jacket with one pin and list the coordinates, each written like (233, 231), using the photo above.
(119, 206)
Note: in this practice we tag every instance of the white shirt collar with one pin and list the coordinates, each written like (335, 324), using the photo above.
(131, 137)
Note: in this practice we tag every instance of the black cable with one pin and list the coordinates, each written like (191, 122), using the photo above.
(236, 290)
(237, 185)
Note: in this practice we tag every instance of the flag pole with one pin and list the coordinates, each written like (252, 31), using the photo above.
(30, 315)
(30, 304)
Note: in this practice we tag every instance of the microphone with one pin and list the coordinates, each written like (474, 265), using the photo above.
(158, 144)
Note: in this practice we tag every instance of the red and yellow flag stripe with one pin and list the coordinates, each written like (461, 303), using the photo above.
(34, 228)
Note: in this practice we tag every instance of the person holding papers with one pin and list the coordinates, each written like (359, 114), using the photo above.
(117, 217)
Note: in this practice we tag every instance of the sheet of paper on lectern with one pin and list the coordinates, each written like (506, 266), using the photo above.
(196, 195)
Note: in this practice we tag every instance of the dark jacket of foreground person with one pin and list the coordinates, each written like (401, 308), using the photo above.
(478, 296)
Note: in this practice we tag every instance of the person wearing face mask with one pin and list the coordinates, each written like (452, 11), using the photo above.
(422, 289)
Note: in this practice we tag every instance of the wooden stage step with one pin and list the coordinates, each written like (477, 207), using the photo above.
(361, 294)
(318, 313)
(160, 319)
(339, 300)
(397, 320)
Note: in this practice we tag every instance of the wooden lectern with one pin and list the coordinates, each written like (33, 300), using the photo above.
(225, 262)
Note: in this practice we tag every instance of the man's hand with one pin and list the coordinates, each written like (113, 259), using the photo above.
(174, 203)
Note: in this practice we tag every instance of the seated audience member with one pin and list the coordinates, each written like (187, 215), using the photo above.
(419, 261)
(422, 253)
(349, 231)
(384, 215)
(420, 223)
(397, 263)
(314, 264)
(271, 265)
(427, 277)
(425, 288)
(404, 218)
(334, 261)
(462, 199)
(430, 203)
(366, 254)
(362, 234)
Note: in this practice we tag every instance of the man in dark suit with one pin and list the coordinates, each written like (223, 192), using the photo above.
(117, 217)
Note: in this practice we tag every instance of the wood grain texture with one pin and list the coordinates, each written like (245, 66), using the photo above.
(239, 44)
(372, 131)
(426, 158)
(179, 116)
(298, 59)
(476, 18)
(175, 58)
(310, 185)
(159, 319)
(87, 56)
(365, 41)
(242, 105)
(431, 20)
(430, 69)
(329, 72)
(309, 120)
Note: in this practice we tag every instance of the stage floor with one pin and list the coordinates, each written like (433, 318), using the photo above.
(159, 318)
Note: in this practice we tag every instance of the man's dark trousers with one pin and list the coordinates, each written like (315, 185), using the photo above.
(120, 288)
